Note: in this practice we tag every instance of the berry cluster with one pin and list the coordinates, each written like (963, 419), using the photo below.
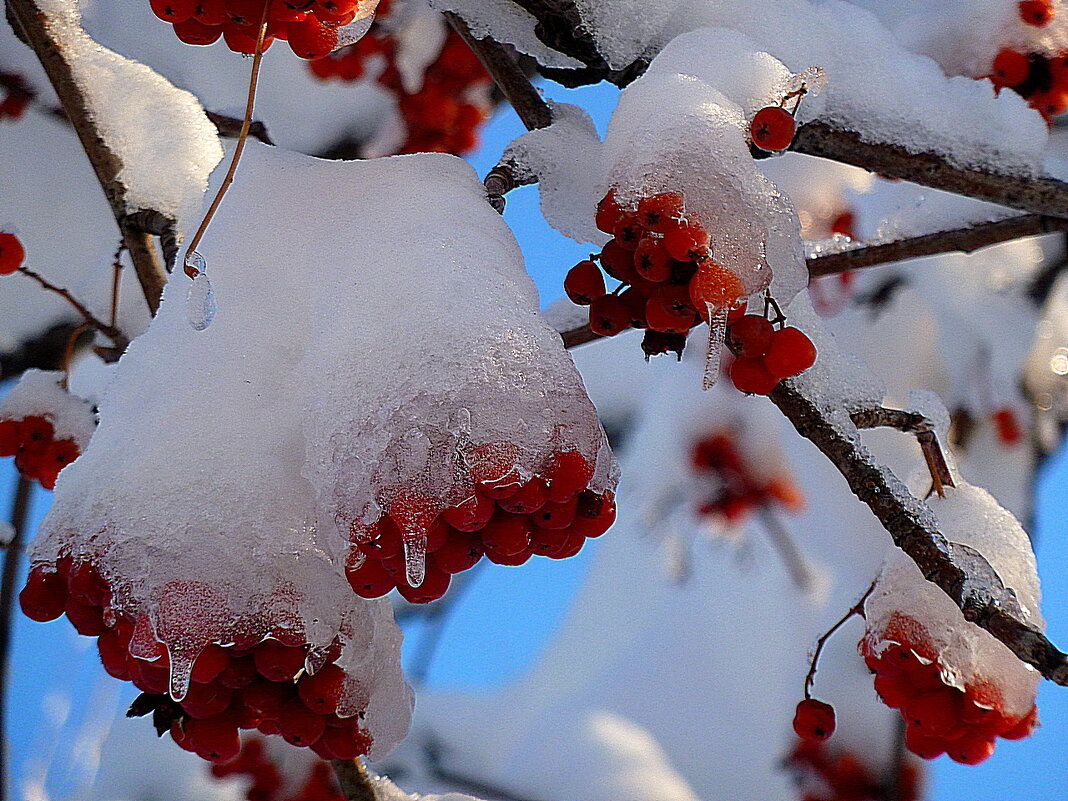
(668, 280)
(507, 519)
(736, 489)
(826, 775)
(766, 354)
(1041, 80)
(444, 114)
(254, 683)
(266, 780)
(310, 26)
(940, 718)
(16, 95)
(12, 253)
(38, 454)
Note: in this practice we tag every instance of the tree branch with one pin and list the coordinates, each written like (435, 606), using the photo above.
(911, 423)
(20, 509)
(36, 31)
(353, 779)
(965, 240)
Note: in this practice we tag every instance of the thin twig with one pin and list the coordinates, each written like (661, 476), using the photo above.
(911, 423)
(116, 277)
(36, 30)
(20, 509)
(353, 779)
(111, 332)
(796, 564)
(242, 137)
(963, 240)
(855, 609)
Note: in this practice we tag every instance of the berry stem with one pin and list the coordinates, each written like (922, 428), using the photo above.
(250, 103)
(68, 351)
(115, 279)
(797, 565)
(855, 609)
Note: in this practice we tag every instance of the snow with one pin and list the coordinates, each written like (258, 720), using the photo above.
(38, 392)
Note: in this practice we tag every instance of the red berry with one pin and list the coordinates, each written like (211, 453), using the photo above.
(460, 553)
(571, 546)
(371, 580)
(531, 496)
(772, 128)
(1010, 68)
(751, 376)
(1036, 12)
(195, 32)
(87, 586)
(87, 620)
(44, 596)
(215, 739)
(894, 691)
(584, 283)
(10, 437)
(210, 663)
(753, 334)
(386, 541)
(203, 701)
(1008, 427)
(843, 224)
(242, 38)
(435, 583)
(814, 720)
(791, 352)
(277, 662)
(556, 515)
(506, 534)
(971, 750)
(511, 560)
(239, 673)
(311, 39)
(937, 713)
(661, 212)
(173, 10)
(113, 655)
(608, 316)
(688, 242)
(544, 541)
(470, 515)
(322, 691)
(608, 212)
(628, 231)
(651, 259)
(37, 433)
(666, 320)
(714, 285)
(922, 744)
(594, 514)
(494, 467)
(11, 253)
(567, 473)
(1023, 728)
(618, 262)
(264, 699)
(345, 742)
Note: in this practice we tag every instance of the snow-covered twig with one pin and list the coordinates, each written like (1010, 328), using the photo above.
(36, 31)
(353, 779)
(20, 508)
(964, 240)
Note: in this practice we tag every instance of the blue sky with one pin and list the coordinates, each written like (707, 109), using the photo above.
(506, 615)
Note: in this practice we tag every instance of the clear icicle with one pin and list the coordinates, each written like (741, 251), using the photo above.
(200, 303)
(415, 558)
(181, 672)
(717, 332)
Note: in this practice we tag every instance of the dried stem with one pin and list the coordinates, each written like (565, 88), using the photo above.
(20, 509)
(242, 137)
(36, 30)
(911, 423)
(796, 564)
(110, 331)
(354, 780)
(855, 609)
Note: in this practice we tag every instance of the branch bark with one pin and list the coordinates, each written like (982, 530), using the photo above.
(36, 31)
(353, 779)
(20, 509)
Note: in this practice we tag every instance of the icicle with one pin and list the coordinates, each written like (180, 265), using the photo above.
(415, 558)
(181, 671)
(200, 303)
(717, 332)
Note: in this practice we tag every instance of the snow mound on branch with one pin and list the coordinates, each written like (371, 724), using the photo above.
(38, 392)
(160, 133)
(969, 656)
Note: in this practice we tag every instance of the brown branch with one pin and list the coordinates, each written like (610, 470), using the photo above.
(961, 572)
(354, 780)
(110, 331)
(854, 610)
(20, 508)
(37, 31)
(965, 240)
(911, 423)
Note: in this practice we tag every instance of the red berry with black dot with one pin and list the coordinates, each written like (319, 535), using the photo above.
(608, 316)
(753, 334)
(814, 720)
(791, 352)
(1036, 12)
(584, 283)
(772, 128)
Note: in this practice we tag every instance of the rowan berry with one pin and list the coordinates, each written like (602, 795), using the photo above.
(242, 38)
(435, 583)
(312, 39)
(661, 212)
(594, 514)
(530, 498)
(635, 300)
(1036, 12)
(663, 318)
(584, 283)
(753, 334)
(618, 262)
(567, 473)
(556, 515)
(460, 553)
(628, 230)
(506, 534)
(714, 285)
(651, 259)
(772, 128)
(814, 720)
(608, 212)
(752, 376)
(790, 353)
(688, 242)
(11, 253)
(371, 580)
(215, 739)
(277, 662)
(971, 750)
(195, 32)
(471, 514)
(1007, 426)
(1010, 68)
(44, 596)
(494, 466)
(608, 316)
(173, 10)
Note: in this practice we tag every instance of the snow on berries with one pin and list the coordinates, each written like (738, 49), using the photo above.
(44, 426)
(313, 29)
(955, 686)
(441, 90)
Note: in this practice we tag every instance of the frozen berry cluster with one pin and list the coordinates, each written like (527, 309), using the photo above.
(310, 26)
(507, 518)
(445, 113)
(826, 774)
(668, 279)
(253, 683)
(766, 352)
(1041, 79)
(940, 718)
(266, 782)
(39, 455)
(736, 489)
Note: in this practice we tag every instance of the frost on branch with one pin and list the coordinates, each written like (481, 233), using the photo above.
(956, 686)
